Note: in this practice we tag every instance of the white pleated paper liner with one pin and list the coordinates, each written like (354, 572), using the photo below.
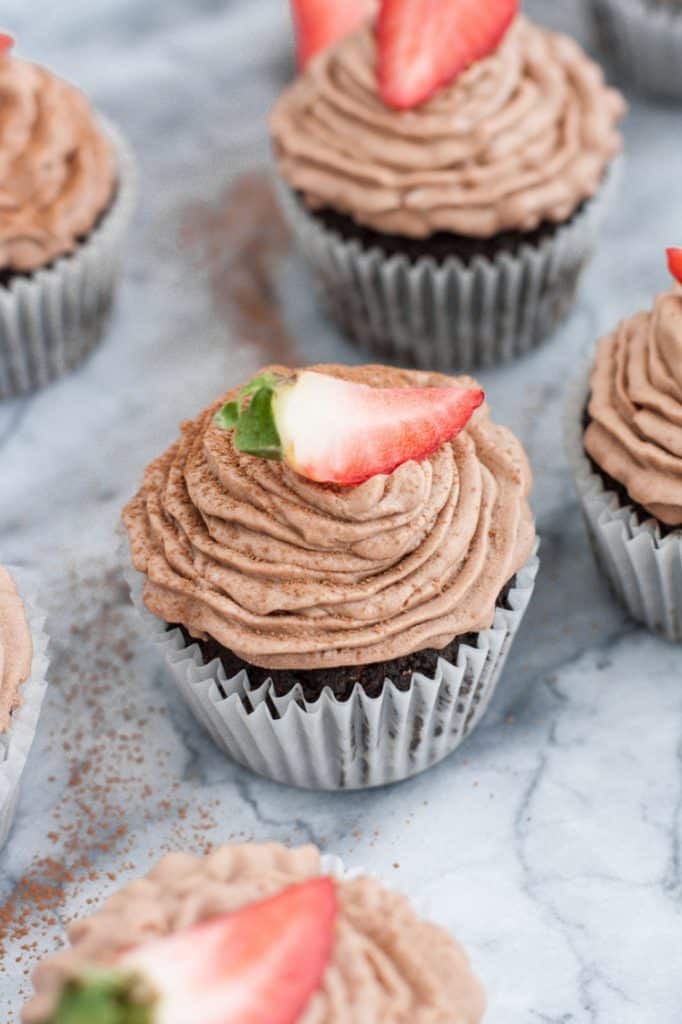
(15, 744)
(336, 868)
(644, 41)
(51, 319)
(643, 566)
(449, 315)
(354, 744)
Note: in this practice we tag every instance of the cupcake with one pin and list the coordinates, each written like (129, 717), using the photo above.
(66, 182)
(643, 38)
(624, 433)
(23, 664)
(257, 933)
(334, 562)
(448, 196)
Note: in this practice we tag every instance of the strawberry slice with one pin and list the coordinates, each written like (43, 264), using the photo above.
(321, 23)
(6, 43)
(675, 263)
(258, 965)
(338, 432)
(424, 44)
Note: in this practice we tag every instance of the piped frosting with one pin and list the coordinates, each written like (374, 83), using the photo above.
(635, 429)
(524, 136)
(387, 964)
(16, 648)
(57, 170)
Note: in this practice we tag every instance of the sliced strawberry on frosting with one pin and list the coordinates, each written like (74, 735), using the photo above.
(675, 263)
(321, 23)
(424, 44)
(259, 965)
(339, 432)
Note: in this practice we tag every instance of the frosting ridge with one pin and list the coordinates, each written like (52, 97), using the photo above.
(522, 137)
(387, 964)
(635, 433)
(16, 648)
(287, 573)
(56, 166)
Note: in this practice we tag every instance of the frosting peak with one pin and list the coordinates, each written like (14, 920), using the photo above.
(387, 964)
(16, 649)
(288, 573)
(635, 433)
(523, 136)
(56, 166)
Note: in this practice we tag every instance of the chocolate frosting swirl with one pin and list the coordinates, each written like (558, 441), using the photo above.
(522, 137)
(292, 574)
(16, 649)
(635, 433)
(387, 965)
(56, 166)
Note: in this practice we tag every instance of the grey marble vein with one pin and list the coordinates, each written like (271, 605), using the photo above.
(551, 843)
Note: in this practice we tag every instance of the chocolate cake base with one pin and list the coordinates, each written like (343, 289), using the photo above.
(611, 484)
(341, 680)
(443, 244)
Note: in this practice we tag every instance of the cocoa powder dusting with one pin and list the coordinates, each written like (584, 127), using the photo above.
(108, 734)
(239, 239)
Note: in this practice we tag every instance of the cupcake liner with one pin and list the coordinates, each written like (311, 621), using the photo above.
(643, 566)
(644, 41)
(51, 319)
(449, 315)
(354, 744)
(15, 744)
(331, 864)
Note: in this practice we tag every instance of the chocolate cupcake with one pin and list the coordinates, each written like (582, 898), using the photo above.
(643, 39)
(338, 619)
(23, 664)
(624, 432)
(67, 184)
(453, 233)
(259, 933)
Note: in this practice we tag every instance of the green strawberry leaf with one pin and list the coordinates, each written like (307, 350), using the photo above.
(256, 432)
(265, 380)
(228, 416)
(252, 418)
(101, 998)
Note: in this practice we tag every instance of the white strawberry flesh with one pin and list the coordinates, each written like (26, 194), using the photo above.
(337, 431)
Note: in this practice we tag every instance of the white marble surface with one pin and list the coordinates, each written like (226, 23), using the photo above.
(551, 843)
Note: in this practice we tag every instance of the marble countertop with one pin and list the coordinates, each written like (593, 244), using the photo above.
(551, 843)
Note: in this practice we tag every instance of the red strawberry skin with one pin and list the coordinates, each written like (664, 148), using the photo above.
(321, 23)
(336, 431)
(675, 263)
(258, 965)
(6, 43)
(424, 44)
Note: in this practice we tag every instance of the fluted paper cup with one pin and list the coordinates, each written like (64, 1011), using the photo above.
(643, 565)
(644, 41)
(449, 315)
(51, 319)
(15, 744)
(353, 744)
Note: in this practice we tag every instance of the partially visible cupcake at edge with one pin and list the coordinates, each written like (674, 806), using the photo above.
(23, 664)
(256, 932)
(336, 571)
(66, 187)
(643, 40)
(448, 214)
(624, 430)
